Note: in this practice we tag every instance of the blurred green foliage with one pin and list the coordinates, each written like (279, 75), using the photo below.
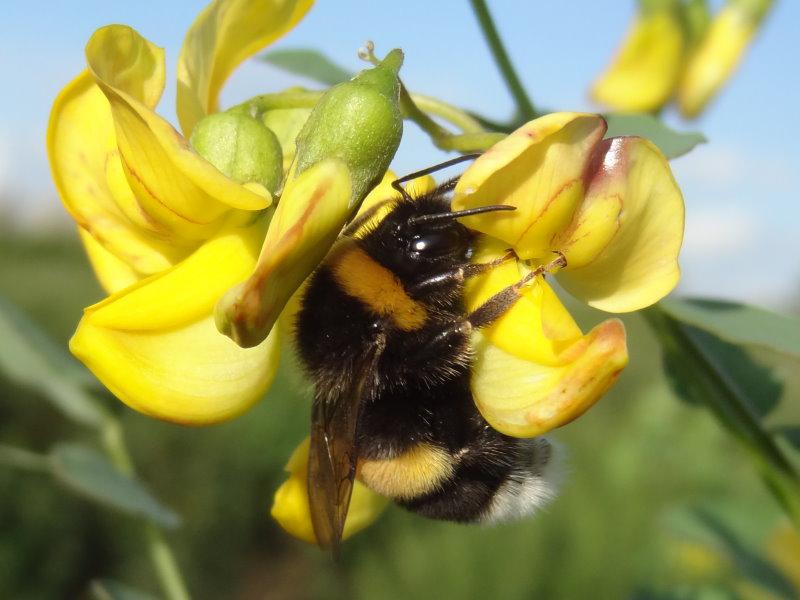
(630, 464)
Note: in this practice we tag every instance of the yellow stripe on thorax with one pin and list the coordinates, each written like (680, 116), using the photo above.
(377, 287)
(417, 471)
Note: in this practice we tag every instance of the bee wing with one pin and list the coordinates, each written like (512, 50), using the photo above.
(333, 454)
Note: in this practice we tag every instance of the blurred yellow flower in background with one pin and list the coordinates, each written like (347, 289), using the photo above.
(646, 69)
(715, 58)
(675, 49)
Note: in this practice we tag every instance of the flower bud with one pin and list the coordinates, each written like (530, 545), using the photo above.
(241, 147)
(358, 122)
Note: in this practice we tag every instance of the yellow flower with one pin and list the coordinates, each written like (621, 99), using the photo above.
(715, 59)
(643, 75)
(290, 505)
(611, 210)
(674, 48)
(166, 231)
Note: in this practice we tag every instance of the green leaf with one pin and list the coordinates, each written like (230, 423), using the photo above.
(749, 379)
(31, 359)
(672, 143)
(739, 323)
(746, 560)
(791, 434)
(308, 63)
(109, 589)
(740, 391)
(698, 591)
(758, 349)
(20, 458)
(87, 472)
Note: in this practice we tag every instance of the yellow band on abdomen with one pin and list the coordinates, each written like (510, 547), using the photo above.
(417, 471)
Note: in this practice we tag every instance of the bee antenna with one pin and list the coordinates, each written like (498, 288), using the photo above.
(459, 213)
(417, 174)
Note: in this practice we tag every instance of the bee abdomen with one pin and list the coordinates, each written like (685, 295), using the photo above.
(532, 483)
(492, 484)
(419, 470)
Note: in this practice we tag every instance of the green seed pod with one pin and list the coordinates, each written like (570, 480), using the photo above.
(241, 147)
(358, 122)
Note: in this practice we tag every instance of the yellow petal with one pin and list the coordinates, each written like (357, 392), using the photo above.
(537, 328)
(113, 273)
(717, 56)
(379, 194)
(783, 549)
(622, 247)
(644, 73)
(179, 192)
(538, 169)
(223, 35)
(87, 171)
(522, 398)
(381, 197)
(313, 208)
(286, 124)
(155, 346)
(291, 510)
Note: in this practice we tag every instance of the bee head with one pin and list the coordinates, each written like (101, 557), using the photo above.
(423, 235)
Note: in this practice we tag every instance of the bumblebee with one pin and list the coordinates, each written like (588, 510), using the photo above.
(383, 332)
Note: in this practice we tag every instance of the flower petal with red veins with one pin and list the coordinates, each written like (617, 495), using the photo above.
(538, 169)
(180, 194)
(623, 244)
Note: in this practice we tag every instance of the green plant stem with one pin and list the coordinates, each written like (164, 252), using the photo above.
(163, 559)
(724, 400)
(525, 107)
(19, 458)
(476, 140)
(433, 106)
(412, 111)
(258, 105)
(416, 108)
(161, 555)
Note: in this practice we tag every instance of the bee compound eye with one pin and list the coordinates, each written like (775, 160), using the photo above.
(437, 243)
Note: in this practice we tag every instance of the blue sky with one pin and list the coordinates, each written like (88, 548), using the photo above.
(741, 188)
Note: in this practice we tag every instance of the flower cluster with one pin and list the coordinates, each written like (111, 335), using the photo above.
(172, 227)
(201, 245)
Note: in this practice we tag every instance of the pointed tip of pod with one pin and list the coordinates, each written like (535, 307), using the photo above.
(384, 75)
(393, 61)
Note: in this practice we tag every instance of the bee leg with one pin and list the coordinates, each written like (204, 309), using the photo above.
(487, 313)
(496, 306)
(457, 275)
